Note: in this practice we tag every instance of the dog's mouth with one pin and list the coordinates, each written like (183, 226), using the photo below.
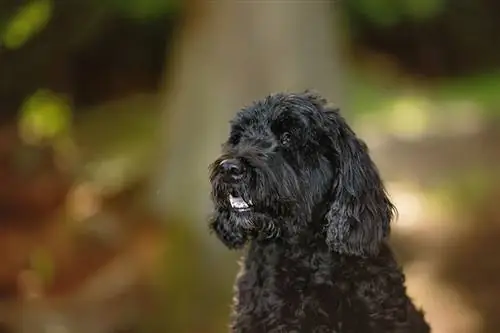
(239, 204)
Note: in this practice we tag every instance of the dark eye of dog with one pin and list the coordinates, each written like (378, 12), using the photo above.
(285, 138)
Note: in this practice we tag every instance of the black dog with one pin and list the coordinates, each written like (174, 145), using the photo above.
(297, 185)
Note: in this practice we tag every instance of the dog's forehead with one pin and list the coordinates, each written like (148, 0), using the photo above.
(273, 108)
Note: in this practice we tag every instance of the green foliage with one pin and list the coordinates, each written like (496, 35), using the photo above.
(141, 9)
(381, 12)
(366, 94)
(481, 88)
(44, 115)
(377, 91)
(422, 9)
(27, 22)
(391, 12)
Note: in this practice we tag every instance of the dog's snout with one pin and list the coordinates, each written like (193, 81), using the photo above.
(232, 168)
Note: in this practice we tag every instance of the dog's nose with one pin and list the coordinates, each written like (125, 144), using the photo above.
(232, 168)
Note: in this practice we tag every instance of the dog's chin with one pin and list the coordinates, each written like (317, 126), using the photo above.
(236, 226)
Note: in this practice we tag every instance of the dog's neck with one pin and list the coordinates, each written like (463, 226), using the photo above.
(306, 246)
(290, 247)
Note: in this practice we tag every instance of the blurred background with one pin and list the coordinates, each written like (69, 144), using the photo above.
(111, 110)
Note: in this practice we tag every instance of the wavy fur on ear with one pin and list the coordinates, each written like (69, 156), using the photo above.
(360, 214)
(358, 218)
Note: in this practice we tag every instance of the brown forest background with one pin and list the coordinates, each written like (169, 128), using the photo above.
(111, 110)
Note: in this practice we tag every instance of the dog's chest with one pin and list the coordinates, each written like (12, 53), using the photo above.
(297, 295)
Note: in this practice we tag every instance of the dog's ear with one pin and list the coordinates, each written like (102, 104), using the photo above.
(360, 212)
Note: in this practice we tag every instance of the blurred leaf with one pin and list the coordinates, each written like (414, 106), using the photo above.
(382, 12)
(423, 9)
(387, 13)
(44, 116)
(29, 20)
(142, 9)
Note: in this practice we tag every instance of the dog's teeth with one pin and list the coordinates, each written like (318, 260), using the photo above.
(237, 202)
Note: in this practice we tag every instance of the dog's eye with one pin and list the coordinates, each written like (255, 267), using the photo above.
(285, 139)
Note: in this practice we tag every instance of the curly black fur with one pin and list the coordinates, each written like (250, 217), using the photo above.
(316, 216)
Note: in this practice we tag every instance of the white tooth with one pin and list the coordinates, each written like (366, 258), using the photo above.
(237, 202)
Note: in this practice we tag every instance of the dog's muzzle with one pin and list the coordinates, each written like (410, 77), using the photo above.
(232, 171)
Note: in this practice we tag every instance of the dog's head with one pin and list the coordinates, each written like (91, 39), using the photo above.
(293, 166)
